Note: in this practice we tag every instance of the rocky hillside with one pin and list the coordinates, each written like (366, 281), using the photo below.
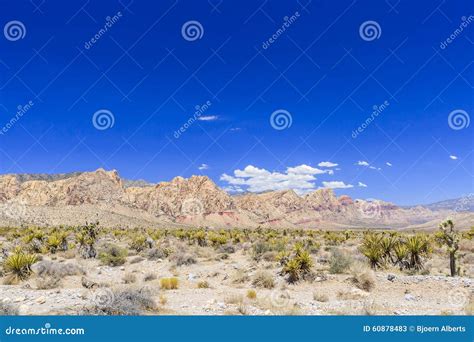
(78, 197)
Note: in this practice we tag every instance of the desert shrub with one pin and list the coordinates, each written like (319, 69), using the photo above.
(57, 241)
(137, 260)
(217, 239)
(125, 302)
(18, 266)
(240, 276)
(8, 309)
(418, 246)
(371, 249)
(169, 283)
(158, 253)
(298, 266)
(138, 243)
(263, 279)
(203, 284)
(251, 294)
(229, 249)
(113, 255)
(259, 248)
(339, 262)
(183, 258)
(86, 237)
(320, 297)
(129, 278)
(46, 283)
(363, 278)
(149, 277)
(46, 268)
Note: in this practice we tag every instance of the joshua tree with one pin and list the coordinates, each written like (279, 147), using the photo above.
(86, 237)
(448, 236)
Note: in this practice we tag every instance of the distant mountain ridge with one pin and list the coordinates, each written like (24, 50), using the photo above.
(77, 197)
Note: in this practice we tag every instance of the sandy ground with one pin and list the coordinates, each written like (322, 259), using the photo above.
(402, 295)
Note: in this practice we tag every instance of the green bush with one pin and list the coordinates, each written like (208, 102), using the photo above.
(113, 255)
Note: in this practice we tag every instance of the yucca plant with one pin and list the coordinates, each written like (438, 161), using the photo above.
(418, 246)
(18, 266)
(371, 248)
(57, 241)
(401, 254)
(86, 237)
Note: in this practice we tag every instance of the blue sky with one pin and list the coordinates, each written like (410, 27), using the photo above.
(322, 71)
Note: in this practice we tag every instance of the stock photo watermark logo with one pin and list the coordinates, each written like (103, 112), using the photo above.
(370, 30)
(192, 207)
(287, 22)
(377, 110)
(199, 111)
(14, 30)
(458, 119)
(370, 209)
(459, 297)
(103, 297)
(110, 21)
(465, 22)
(21, 110)
(192, 30)
(280, 299)
(103, 119)
(281, 119)
(47, 329)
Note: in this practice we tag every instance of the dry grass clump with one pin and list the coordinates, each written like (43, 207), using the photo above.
(183, 258)
(46, 268)
(320, 297)
(125, 302)
(234, 299)
(136, 260)
(113, 255)
(251, 294)
(240, 276)
(203, 284)
(363, 278)
(339, 262)
(263, 279)
(158, 253)
(8, 309)
(47, 283)
(169, 283)
(129, 278)
(149, 277)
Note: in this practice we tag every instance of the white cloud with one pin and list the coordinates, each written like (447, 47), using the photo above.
(453, 157)
(362, 185)
(388, 164)
(362, 163)
(208, 118)
(300, 178)
(336, 185)
(327, 164)
(235, 129)
(203, 167)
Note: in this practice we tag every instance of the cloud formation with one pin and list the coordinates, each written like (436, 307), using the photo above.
(336, 185)
(453, 157)
(300, 178)
(327, 164)
(362, 185)
(208, 118)
(203, 167)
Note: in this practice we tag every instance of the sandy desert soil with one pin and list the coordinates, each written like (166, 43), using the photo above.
(230, 279)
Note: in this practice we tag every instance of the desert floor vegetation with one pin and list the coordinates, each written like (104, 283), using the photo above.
(202, 271)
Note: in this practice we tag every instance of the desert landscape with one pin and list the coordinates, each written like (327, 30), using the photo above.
(92, 243)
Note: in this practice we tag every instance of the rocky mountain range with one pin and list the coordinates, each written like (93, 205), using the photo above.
(75, 198)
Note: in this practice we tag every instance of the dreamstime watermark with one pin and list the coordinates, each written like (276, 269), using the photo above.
(14, 30)
(370, 30)
(377, 110)
(103, 297)
(287, 22)
(465, 21)
(281, 119)
(192, 207)
(21, 110)
(47, 329)
(458, 297)
(192, 30)
(280, 299)
(458, 119)
(369, 209)
(199, 110)
(110, 21)
(103, 119)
